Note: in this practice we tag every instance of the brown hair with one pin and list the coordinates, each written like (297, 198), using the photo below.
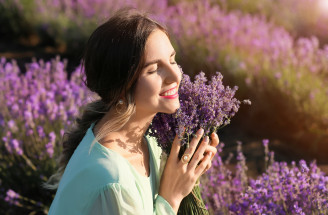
(112, 62)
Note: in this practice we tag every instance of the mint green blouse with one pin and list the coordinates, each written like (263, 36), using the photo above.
(104, 182)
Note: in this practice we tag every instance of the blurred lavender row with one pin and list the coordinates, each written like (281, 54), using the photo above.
(302, 18)
(282, 189)
(36, 108)
(285, 78)
(42, 98)
(272, 67)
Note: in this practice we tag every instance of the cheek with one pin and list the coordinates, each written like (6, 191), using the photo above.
(147, 89)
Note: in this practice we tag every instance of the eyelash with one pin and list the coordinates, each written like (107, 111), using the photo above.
(157, 69)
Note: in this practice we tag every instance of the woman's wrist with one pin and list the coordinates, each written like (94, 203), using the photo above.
(174, 202)
(175, 205)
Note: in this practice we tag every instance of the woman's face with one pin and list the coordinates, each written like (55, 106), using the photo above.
(159, 74)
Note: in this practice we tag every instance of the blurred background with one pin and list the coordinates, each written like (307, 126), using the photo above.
(276, 52)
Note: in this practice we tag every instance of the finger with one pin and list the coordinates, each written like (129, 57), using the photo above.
(199, 154)
(201, 167)
(214, 139)
(212, 150)
(207, 168)
(194, 142)
(176, 145)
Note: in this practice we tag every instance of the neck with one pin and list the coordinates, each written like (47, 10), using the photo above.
(130, 136)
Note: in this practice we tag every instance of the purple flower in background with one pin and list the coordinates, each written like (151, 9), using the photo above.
(50, 146)
(12, 125)
(40, 131)
(282, 189)
(12, 197)
(265, 142)
(202, 105)
(42, 97)
(16, 146)
(39, 107)
(50, 149)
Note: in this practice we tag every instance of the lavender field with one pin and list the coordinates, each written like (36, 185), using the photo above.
(273, 155)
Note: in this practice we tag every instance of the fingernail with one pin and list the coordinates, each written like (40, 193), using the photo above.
(206, 139)
(210, 154)
(200, 131)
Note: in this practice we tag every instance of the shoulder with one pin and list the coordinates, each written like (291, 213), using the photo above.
(108, 168)
(95, 169)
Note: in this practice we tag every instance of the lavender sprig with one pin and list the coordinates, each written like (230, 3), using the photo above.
(202, 105)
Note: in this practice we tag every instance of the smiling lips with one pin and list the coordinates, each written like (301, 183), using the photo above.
(170, 94)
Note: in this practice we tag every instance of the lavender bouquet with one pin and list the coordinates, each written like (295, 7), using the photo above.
(208, 106)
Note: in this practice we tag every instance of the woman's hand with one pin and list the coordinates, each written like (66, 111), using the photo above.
(211, 149)
(179, 178)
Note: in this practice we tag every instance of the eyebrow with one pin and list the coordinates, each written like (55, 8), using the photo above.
(157, 60)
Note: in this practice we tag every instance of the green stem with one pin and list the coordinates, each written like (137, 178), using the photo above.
(29, 162)
(193, 204)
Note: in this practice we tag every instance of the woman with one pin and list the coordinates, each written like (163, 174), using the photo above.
(108, 165)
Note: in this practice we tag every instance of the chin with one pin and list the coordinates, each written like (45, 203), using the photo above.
(172, 110)
(168, 112)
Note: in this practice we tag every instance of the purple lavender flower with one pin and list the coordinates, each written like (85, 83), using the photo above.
(16, 146)
(12, 197)
(33, 113)
(208, 106)
(40, 131)
(50, 146)
(282, 189)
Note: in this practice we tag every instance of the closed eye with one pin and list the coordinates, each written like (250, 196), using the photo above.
(151, 72)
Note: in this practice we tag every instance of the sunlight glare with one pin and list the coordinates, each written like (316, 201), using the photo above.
(323, 5)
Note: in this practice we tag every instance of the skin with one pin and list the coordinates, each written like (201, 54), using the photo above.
(159, 74)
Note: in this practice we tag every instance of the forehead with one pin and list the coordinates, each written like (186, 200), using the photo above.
(158, 45)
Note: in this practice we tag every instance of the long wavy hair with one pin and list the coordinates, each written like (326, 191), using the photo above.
(112, 62)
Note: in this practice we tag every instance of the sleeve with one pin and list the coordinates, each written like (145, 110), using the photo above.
(115, 199)
(162, 207)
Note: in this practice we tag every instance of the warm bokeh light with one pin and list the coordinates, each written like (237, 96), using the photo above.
(323, 6)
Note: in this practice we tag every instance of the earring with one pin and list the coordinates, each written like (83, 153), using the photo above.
(120, 102)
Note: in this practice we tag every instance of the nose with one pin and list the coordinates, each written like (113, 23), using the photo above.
(173, 74)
